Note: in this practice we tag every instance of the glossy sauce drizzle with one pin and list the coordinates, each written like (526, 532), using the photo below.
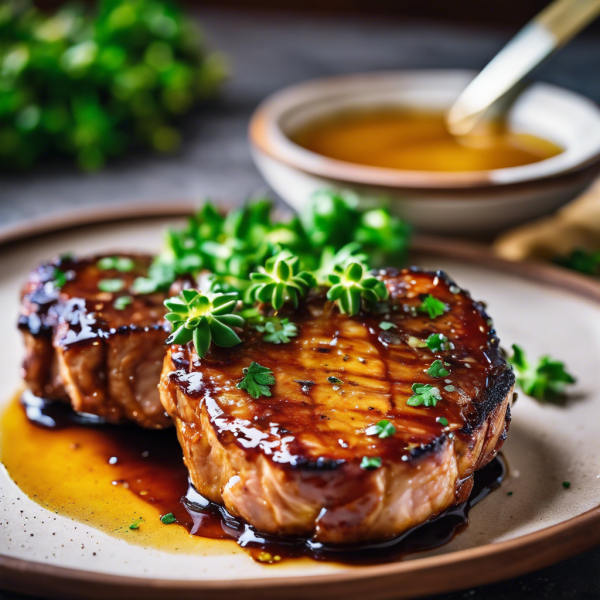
(108, 476)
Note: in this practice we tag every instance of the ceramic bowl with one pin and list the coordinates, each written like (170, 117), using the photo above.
(472, 202)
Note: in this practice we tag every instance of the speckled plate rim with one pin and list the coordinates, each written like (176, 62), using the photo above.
(418, 577)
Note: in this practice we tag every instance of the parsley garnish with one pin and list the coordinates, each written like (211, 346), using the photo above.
(383, 429)
(424, 394)
(370, 462)
(442, 421)
(118, 263)
(335, 380)
(136, 523)
(277, 331)
(257, 380)
(122, 302)
(438, 342)
(59, 278)
(438, 369)
(111, 285)
(168, 519)
(432, 306)
(203, 319)
(545, 380)
(386, 325)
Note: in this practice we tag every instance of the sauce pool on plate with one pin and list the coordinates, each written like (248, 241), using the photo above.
(419, 141)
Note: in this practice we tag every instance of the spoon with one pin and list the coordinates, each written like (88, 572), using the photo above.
(496, 86)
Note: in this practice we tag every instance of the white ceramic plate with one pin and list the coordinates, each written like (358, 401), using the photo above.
(541, 308)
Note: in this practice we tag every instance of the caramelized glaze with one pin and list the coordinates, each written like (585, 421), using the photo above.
(109, 476)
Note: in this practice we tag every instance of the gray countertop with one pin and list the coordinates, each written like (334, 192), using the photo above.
(268, 52)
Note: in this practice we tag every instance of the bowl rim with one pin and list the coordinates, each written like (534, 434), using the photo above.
(267, 137)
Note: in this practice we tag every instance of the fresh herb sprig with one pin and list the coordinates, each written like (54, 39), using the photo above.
(424, 394)
(277, 330)
(203, 319)
(545, 379)
(257, 380)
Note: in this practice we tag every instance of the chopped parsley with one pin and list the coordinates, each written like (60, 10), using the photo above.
(566, 484)
(335, 380)
(277, 331)
(122, 302)
(383, 429)
(168, 519)
(442, 421)
(111, 285)
(118, 263)
(424, 394)
(386, 325)
(370, 462)
(136, 523)
(59, 278)
(438, 342)
(438, 369)
(257, 380)
(432, 306)
(543, 380)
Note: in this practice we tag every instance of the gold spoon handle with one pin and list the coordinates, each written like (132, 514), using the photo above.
(546, 32)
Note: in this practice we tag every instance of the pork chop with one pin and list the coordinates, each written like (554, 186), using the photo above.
(102, 351)
(314, 458)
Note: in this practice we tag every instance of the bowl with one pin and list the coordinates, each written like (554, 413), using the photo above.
(475, 202)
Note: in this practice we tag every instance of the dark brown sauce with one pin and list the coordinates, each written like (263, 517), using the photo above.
(150, 465)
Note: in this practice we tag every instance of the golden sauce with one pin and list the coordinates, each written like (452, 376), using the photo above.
(110, 477)
(419, 141)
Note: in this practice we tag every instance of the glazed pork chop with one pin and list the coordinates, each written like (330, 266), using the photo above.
(317, 458)
(102, 351)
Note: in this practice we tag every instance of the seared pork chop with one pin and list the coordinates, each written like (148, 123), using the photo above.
(100, 350)
(310, 459)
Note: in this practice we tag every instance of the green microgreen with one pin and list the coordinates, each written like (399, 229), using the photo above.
(280, 281)
(387, 325)
(122, 302)
(203, 319)
(438, 342)
(168, 519)
(582, 261)
(438, 369)
(349, 289)
(277, 330)
(424, 394)
(442, 421)
(123, 264)
(257, 380)
(382, 429)
(136, 523)
(111, 285)
(370, 462)
(546, 379)
(432, 306)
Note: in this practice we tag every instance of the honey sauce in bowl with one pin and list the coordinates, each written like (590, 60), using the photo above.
(405, 140)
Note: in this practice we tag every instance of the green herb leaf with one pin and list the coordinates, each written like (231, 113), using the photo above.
(123, 264)
(438, 369)
(387, 325)
(354, 285)
(256, 380)
(59, 278)
(203, 319)
(566, 484)
(581, 261)
(122, 302)
(277, 330)
(424, 394)
(544, 380)
(136, 523)
(432, 306)
(383, 429)
(370, 462)
(442, 421)
(111, 285)
(168, 519)
(335, 380)
(438, 342)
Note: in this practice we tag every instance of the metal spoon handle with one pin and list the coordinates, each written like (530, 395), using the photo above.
(546, 32)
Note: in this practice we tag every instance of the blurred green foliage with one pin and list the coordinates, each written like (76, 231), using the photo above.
(93, 85)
